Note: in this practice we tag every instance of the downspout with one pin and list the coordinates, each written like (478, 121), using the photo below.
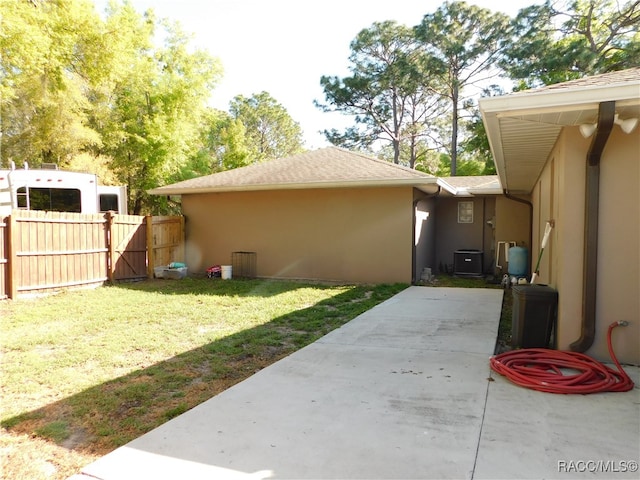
(530, 205)
(606, 114)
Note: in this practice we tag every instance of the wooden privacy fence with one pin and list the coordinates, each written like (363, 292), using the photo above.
(45, 251)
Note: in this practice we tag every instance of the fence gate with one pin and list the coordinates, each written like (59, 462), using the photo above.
(165, 241)
(127, 238)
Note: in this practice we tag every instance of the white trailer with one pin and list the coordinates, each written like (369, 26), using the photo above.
(48, 188)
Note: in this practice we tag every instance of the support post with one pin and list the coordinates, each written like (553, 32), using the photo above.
(12, 256)
(150, 246)
(110, 247)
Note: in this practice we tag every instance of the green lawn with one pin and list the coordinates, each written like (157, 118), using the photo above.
(94, 369)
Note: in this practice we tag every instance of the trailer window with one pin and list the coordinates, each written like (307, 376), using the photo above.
(108, 201)
(53, 199)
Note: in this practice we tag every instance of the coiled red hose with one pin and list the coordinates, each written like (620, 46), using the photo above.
(540, 369)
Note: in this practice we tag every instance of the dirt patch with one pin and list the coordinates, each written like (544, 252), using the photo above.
(367, 295)
(32, 458)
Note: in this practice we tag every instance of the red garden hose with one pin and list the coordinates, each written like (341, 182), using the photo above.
(540, 369)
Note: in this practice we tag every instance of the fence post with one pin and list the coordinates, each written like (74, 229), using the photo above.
(12, 257)
(109, 216)
(183, 243)
(150, 251)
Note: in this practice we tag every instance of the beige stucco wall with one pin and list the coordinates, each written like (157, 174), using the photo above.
(512, 225)
(351, 235)
(559, 195)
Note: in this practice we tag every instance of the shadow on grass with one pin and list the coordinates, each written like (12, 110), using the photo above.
(105, 416)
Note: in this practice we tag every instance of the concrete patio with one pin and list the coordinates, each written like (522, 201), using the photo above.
(402, 391)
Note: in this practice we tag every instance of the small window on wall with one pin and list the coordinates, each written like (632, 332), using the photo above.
(465, 212)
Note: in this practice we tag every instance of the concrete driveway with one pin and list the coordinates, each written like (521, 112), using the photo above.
(403, 391)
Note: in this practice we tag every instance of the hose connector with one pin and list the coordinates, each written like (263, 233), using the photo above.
(623, 323)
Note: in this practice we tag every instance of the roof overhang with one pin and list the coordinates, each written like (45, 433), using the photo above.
(523, 127)
(489, 188)
(427, 185)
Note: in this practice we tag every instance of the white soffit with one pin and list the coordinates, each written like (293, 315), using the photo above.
(530, 143)
(523, 127)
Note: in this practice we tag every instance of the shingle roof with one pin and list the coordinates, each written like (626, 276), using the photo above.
(602, 80)
(329, 167)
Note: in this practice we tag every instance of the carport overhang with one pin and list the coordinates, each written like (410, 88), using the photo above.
(523, 127)
(492, 187)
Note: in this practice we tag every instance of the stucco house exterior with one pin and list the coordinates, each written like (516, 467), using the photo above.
(327, 214)
(573, 152)
(336, 215)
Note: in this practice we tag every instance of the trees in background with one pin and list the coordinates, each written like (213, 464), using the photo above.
(270, 130)
(459, 53)
(86, 87)
(578, 38)
(102, 94)
(466, 41)
(224, 145)
(49, 52)
(391, 94)
(256, 129)
(154, 113)
(413, 87)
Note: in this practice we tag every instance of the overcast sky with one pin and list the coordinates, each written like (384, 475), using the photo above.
(285, 46)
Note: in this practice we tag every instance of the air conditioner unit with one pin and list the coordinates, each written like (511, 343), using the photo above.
(467, 262)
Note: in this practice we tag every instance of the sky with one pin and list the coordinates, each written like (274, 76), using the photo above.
(283, 47)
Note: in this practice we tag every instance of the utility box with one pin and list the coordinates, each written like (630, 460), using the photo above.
(534, 314)
(467, 262)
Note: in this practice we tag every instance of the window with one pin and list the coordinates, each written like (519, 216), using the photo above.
(465, 212)
(53, 199)
(108, 201)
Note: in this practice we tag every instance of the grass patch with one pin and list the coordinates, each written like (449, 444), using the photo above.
(462, 282)
(94, 369)
(504, 329)
(56, 431)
